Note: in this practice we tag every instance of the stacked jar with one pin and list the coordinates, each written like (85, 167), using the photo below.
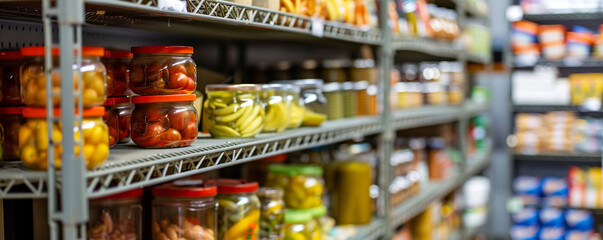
(34, 134)
(117, 216)
(233, 111)
(164, 77)
(118, 106)
(10, 101)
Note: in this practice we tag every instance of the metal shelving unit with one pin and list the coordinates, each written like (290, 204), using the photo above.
(435, 47)
(577, 157)
(548, 108)
(586, 14)
(586, 63)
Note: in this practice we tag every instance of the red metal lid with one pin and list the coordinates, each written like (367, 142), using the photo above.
(164, 98)
(136, 193)
(276, 158)
(41, 112)
(231, 186)
(11, 110)
(118, 54)
(163, 49)
(10, 55)
(171, 190)
(116, 100)
(39, 51)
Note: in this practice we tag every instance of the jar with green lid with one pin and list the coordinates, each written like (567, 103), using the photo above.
(272, 215)
(335, 100)
(315, 226)
(314, 100)
(277, 106)
(350, 99)
(233, 111)
(303, 184)
(296, 225)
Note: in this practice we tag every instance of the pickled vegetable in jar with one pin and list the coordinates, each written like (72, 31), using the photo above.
(34, 139)
(314, 101)
(124, 114)
(303, 184)
(117, 64)
(335, 100)
(315, 227)
(233, 111)
(112, 119)
(238, 209)
(11, 119)
(362, 98)
(10, 62)
(164, 121)
(117, 216)
(352, 188)
(350, 100)
(33, 78)
(298, 108)
(272, 216)
(277, 106)
(163, 70)
(296, 225)
(184, 212)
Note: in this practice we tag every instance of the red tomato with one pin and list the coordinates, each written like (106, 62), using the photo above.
(172, 136)
(178, 68)
(179, 118)
(156, 141)
(136, 74)
(154, 115)
(192, 85)
(178, 81)
(191, 131)
(112, 140)
(120, 87)
(154, 129)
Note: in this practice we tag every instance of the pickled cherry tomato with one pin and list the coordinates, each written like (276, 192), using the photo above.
(162, 70)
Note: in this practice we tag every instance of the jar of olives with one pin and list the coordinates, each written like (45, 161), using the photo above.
(233, 111)
(11, 119)
(272, 216)
(118, 216)
(163, 70)
(314, 100)
(238, 209)
(111, 118)
(303, 184)
(10, 62)
(184, 212)
(118, 72)
(277, 106)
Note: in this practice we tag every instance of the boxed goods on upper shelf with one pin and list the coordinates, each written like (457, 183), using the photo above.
(417, 18)
(560, 6)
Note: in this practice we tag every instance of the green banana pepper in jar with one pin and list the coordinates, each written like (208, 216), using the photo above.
(303, 184)
(296, 225)
(233, 111)
(277, 106)
(238, 209)
(316, 226)
(272, 216)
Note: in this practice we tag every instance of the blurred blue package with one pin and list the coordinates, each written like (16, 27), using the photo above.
(552, 233)
(526, 217)
(551, 217)
(518, 232)
(554, 186)
(580, 220)
(526, 185)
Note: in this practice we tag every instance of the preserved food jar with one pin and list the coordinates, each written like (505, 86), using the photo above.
(315, 226)
(314, 100)
(352, 188)
(162, 70)
(33, 79)
(277, 106)
(350, 99)
(363, 70)
(11, 119)
(10, 62)
(335, 70)
(34, 139)
(302, 184)
(118, 72)
(118, 216)
(335, 101)
(184, 212)
(233, 111)
(296, 225)
(434, 94)
(164, 121)
(124, 116)
(272, 217)
(238, 209)
(111, 118)
(298, 108)
(362, 98)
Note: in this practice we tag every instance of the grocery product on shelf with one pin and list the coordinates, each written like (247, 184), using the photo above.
(124, 117)
(303, 184)
(334, 70)
(112, 120)
(351, 193)
(363, 70)
(233, 111)
(34, 139)
(586, 88)
(10, 82)
(161, 70)
(552, 39)
(277, 106)
(184, 211)
(33, 77)
(164, 121)
(118, 72)
(314, 100)
(439, 162)
(584, 183)
(541, 133)
(238, 209)
(296, 225)
(298, 108)
(11, 120)
(272, 216)
(117, 216)
(335, 101)
(476, 195)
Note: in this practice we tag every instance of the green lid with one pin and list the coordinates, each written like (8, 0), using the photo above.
(294, 170)
(318, 211)
(278, 168)
(297, 216)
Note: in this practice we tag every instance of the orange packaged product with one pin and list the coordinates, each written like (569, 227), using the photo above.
(33, 79)
(118, 72)
(164, 121)
(10, 62)
(163, 70)
(552, 34)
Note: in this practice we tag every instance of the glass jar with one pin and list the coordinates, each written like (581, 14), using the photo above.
(233, 111)
(184, 212)
(272, 216)
(296, 225)
(34, 139)
(303, 184)
(316, 228)
(434, 94)
(362, 98)
(335, 70)
(118, 72)
(372, 91)
(164, 121)
(298, 108)
(163, 70)
(10, 62)
(238, 209)
(277, 106)
(111, 118)
(364, 70)
(350, 99)
(455, 94)
(33, 78)
(314, 101)
(118, 216)
(124, 116)
(352, 187)
(335, 101)
(307, 70)
(11, 119)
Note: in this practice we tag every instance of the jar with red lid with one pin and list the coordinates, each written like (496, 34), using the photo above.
(162, 70)
(34, 139)
(33, 78)
(111, 118)
(11, 119)
(10, 62)
(238, 209)
(118, 72)
(117, 216)
(124, 114)
(164, 121)
(184, 212)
